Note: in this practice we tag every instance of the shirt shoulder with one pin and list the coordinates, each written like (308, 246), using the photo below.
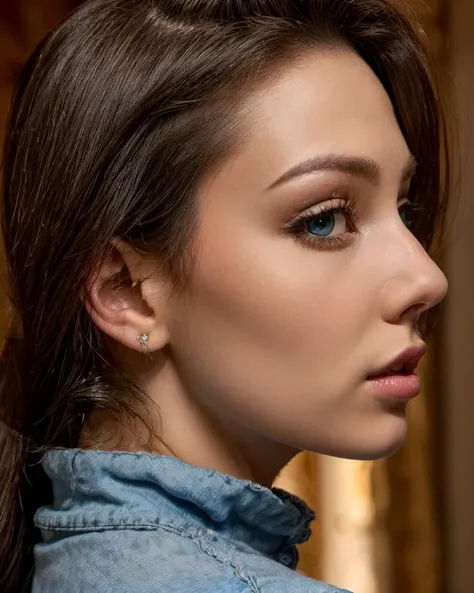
(131, 561)
(273, 577)
(160, 561)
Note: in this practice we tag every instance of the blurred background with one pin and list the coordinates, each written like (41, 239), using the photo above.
(405, 525)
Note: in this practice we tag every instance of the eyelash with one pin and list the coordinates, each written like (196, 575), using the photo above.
(298, 226)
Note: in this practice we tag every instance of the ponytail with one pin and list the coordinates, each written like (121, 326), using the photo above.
(16, 495)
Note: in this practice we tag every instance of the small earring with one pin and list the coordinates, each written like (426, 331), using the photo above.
(143, 339)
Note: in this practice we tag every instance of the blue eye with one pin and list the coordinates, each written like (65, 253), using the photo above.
(321, 225)
(326, 223)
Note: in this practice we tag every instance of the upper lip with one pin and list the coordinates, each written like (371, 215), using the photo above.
(408, 359)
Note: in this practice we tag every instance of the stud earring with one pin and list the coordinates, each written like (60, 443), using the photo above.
(143, 339)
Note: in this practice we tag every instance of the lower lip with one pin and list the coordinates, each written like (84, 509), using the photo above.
(402, 387)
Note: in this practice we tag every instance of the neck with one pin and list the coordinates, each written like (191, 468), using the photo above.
(190, 431)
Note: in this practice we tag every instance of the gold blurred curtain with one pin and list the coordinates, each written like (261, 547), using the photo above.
(377, 529)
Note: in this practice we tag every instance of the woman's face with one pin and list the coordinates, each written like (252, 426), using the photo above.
(307, 281)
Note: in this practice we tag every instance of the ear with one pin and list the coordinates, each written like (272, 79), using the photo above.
(126, 298)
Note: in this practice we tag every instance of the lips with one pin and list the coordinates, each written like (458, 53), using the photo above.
(405, 363)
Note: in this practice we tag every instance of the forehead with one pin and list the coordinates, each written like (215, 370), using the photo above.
(328, 102)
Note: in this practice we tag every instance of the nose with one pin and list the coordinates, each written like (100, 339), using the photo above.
(415, 284)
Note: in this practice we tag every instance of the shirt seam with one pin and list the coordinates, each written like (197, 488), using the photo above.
(238, 570)
(198, 539)
(149, 525)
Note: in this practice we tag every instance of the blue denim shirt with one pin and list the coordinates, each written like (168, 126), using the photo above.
(138, 523)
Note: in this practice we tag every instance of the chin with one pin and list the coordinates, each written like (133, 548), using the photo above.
(376, 452)
(377, 440)
(379, 444)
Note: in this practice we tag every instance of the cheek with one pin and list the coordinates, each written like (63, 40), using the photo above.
(266, 316)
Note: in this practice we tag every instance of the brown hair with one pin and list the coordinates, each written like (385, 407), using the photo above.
(118, 114)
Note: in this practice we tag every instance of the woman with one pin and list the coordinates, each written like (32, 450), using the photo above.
(216, 216)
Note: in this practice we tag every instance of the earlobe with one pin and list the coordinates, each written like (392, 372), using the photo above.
(117, 303)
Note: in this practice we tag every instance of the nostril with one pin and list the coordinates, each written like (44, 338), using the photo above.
(414, 311)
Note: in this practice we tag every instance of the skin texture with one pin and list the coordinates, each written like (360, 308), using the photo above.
(268, 351)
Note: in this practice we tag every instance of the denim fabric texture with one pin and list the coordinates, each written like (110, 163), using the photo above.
(139, 523)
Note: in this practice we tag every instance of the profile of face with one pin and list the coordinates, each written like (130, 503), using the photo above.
(307, 283)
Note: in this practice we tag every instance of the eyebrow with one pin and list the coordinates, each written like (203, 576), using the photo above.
(364, 168)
